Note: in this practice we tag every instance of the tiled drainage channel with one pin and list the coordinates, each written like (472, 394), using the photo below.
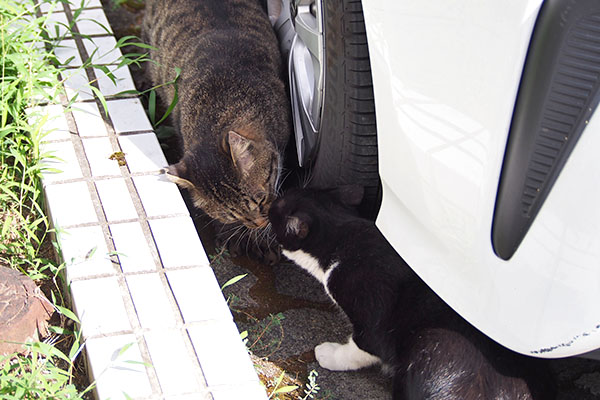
(153, 318)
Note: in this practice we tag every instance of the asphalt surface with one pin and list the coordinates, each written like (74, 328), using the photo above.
(309, 318)
(286, 312)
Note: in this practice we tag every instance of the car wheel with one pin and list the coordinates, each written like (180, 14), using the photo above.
(331, 91)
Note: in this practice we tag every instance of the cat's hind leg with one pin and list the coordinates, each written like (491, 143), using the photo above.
(343, 357)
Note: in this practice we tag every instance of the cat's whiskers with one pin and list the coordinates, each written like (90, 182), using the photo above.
(285, 173)
(208, 223)
(238, 231)
(258, 235)
(232, 231)
(307, 178)
(278, 178)
(267, 235)
(249, 233)
(272, 238)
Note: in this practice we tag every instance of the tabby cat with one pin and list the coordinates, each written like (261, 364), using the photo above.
(233, 112)
(397, 320)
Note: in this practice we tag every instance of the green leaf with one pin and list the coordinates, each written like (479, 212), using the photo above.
(124, 349)
(91, 253)
(59, 330)
(279, 379)
(131, 91)
(6, 225)
(67, 313)
(109, 74)
(124, 41)
(175, 96)
(152, 107)
(49, 350)
(121, 41)
(145, 364)
(233, 280)
(75, 348)
(100, 97)
(285, 389)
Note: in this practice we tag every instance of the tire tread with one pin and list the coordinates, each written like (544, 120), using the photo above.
(349, 119)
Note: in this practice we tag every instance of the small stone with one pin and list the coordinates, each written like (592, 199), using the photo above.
(24, 311)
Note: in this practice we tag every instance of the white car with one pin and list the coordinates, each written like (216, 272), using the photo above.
(474, 122)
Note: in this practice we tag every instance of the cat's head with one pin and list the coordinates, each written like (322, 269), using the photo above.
(234, 183)
(305, 214)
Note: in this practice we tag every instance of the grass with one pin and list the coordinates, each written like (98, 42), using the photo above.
(26, 74)
(40, 375)
(29, 77)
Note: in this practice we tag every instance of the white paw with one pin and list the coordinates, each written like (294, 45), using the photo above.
(343, 357)
(325, 354)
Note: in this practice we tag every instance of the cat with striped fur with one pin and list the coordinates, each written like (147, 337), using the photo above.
(233, 114)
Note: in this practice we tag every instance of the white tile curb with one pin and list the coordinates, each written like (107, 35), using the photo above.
(155, 323)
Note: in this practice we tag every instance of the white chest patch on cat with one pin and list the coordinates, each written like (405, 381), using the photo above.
(308, 262)
(312, 266)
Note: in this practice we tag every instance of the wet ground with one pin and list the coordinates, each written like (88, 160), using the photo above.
(286, 312)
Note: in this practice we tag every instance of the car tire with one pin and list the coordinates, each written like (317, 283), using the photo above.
(347, 140)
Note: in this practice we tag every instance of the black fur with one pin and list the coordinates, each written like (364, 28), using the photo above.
(432, 351)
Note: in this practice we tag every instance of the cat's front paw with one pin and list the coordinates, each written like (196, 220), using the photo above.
(343, 357)
(325, 354)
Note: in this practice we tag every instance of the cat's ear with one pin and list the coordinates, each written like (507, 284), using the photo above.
(240, 152)
(350, 195)
(297, 227)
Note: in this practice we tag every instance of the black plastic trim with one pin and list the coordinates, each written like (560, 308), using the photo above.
(560, 88)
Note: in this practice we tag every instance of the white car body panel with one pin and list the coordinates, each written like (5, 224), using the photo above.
(445, 76)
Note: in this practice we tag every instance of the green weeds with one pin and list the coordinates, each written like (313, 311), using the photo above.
(312, 388)
(26, 74)
(218, 258)
(30, 76)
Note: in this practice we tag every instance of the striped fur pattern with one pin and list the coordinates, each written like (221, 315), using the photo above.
(232, 114)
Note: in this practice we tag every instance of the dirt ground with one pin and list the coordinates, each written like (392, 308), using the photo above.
(286, 312)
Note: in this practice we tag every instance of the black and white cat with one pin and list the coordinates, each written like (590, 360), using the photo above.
(397, 320)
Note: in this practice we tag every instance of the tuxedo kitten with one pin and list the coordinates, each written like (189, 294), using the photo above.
(431, 351)
(233, 112)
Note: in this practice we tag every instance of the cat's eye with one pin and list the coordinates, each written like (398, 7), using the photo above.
(261, 197)
(229, 216)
